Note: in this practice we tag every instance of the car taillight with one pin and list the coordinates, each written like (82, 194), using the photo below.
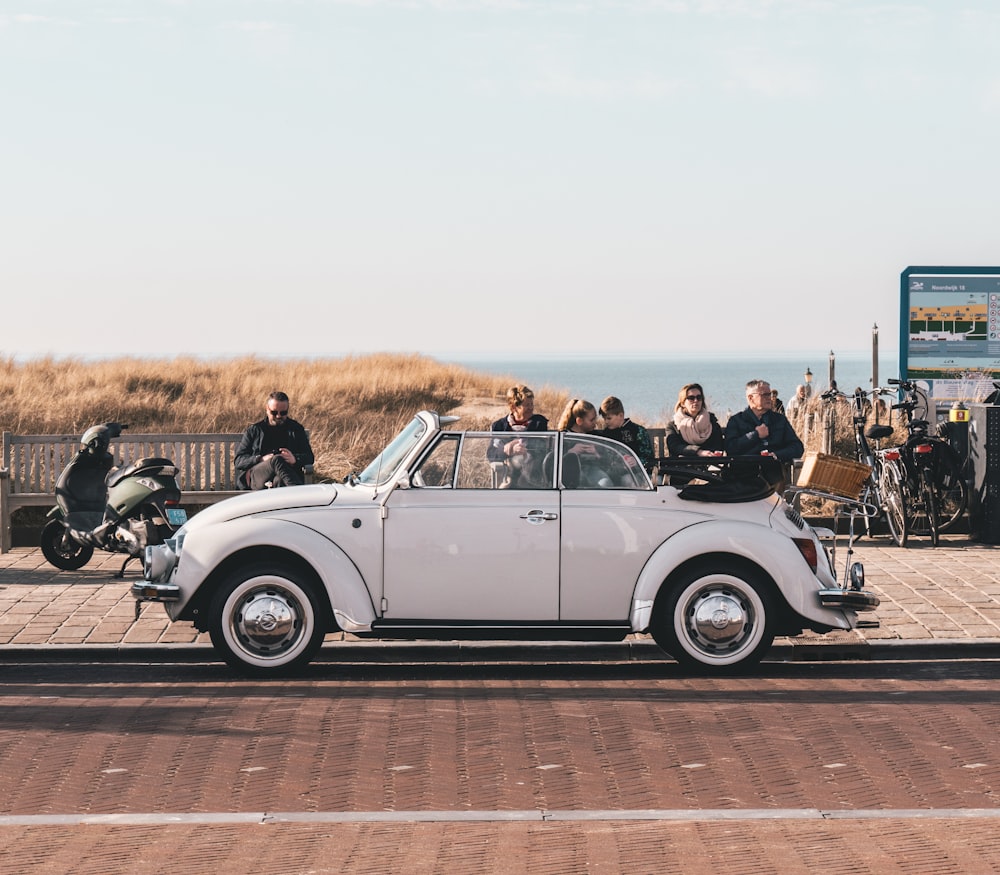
(807, 547)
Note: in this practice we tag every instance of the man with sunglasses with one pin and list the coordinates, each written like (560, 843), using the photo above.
(761, 430)
(274, 450)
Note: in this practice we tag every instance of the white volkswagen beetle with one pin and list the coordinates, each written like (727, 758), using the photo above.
(438, 538)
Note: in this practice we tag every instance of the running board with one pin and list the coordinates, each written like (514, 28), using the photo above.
(491, 630)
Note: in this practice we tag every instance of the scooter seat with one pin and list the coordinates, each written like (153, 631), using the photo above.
(152, 465)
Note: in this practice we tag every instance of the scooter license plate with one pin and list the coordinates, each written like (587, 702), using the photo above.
(176, 516)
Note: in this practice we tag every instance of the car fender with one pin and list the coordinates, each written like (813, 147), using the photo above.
(775, 553)
(205, 550)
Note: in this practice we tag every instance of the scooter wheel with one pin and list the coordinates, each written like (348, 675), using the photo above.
(61, 550)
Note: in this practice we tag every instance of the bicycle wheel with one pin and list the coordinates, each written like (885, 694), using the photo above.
(922, 506)
(869, 495)
(930, 505)
(916, 504)
(952, 492)
(894, 496)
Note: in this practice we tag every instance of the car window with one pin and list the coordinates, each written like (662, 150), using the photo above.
(525, 469)
(590, 463)
(384, 465)
(437, 468)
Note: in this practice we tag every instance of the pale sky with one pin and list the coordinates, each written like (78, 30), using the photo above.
(325, 177)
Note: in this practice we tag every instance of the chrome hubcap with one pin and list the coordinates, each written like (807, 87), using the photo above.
(718, 619)
(267, 621)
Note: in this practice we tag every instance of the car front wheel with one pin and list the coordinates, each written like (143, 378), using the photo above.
(716, 618)
(265, 621)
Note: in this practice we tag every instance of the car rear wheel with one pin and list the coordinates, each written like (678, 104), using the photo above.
(716, 618)
(265, 621)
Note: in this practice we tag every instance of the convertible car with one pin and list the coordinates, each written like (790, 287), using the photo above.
(452, 534)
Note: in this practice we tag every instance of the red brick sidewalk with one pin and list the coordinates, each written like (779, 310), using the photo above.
(950, 593)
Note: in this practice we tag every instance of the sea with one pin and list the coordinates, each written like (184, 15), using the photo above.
(648, 384)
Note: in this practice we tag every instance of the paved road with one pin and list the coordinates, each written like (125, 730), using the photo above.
(477, 767)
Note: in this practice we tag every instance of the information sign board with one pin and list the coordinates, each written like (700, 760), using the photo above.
(949, 330)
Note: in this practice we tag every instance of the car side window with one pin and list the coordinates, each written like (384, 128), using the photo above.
(474, 468)
(525, 468)
(437, 469)
(602, 464)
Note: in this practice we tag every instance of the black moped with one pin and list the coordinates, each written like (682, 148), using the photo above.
(99, 506)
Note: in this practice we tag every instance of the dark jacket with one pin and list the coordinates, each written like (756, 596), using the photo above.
(677, 446)
(636, 438)
(742, 440)
(495, 450)
(251, 448)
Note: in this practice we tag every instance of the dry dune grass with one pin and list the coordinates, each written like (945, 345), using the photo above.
(839, 418)
(352, 405)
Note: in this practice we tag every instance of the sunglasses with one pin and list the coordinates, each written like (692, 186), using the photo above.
(695, 397)
(278, 412)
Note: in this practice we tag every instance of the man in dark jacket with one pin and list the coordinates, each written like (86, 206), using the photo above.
(758, 429)
(273, 451)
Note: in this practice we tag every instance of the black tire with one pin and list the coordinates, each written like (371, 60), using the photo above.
(266, 621)
(61, 550)
(716, 618)
(931, 507)
(894, 496)
(922, 505)
(952, 492)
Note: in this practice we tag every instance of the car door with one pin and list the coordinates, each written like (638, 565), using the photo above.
(474, 540)
(611, 523)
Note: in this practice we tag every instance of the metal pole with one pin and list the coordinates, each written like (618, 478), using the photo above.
(833, 369)
(875, 356)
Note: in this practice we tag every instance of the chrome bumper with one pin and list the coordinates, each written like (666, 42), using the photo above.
(144, 591)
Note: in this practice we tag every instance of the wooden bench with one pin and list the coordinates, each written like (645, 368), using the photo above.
(659, 438)
(31, 464)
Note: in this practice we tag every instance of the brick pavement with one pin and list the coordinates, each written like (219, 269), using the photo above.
(948, 595)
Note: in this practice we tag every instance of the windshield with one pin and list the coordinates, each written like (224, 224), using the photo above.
(384, 465)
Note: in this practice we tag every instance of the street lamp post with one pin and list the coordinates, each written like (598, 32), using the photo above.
(875, 356)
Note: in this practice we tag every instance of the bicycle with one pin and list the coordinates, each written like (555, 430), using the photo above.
(936, 490)
(884, 490)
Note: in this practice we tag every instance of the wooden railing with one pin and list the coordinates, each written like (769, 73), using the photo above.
(31, 464)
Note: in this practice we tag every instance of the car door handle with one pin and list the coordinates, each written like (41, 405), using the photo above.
(538, 516)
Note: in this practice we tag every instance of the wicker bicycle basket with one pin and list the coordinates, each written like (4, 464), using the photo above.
(833, 474)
